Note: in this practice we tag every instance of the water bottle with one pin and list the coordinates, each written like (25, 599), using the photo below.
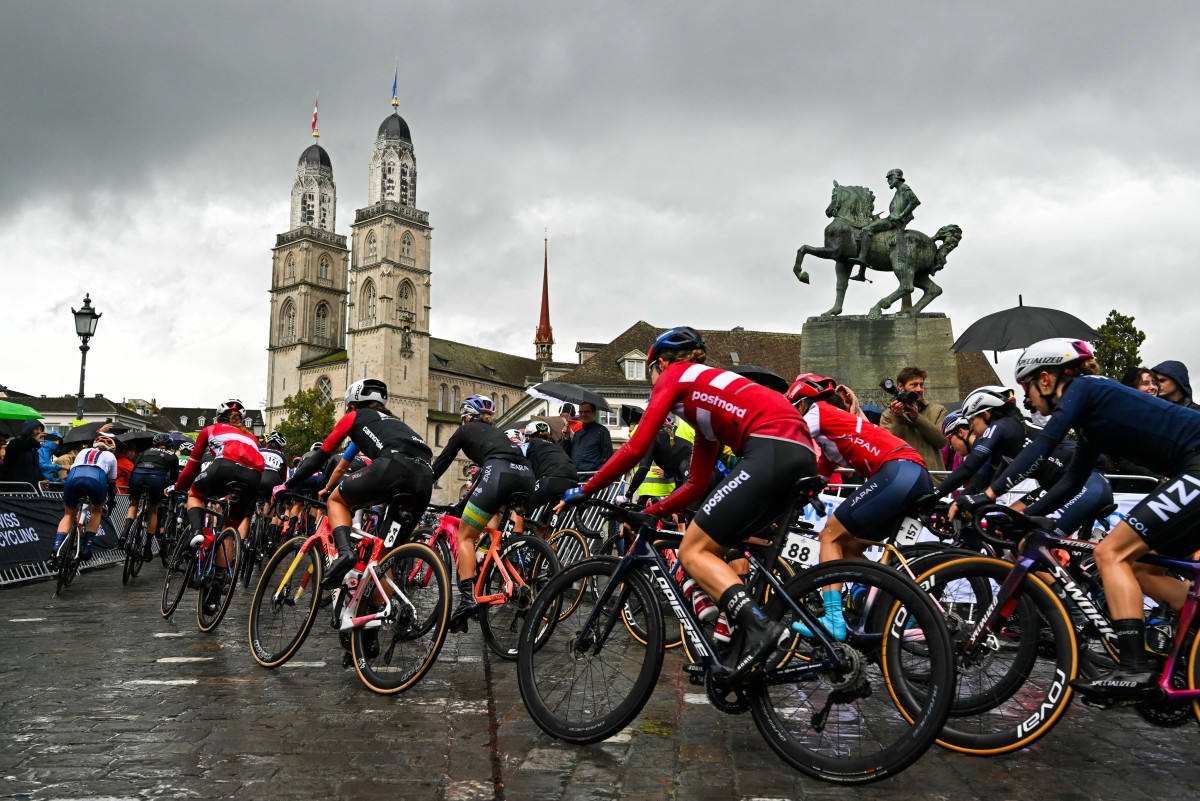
(481, 550)
(1160, 633)
(351, 580)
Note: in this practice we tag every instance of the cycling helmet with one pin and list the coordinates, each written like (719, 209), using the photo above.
(953, 422)
(367, 390)
(515, 435)
(104, 441)
(476, 405)
(810, 387)
(230, 405)
(187, 447)
(676, 339)
(275, 438)
(669, 420)
(537, 427)
(161, 440)
(316, 446)
(1050, 354)
(987, 399)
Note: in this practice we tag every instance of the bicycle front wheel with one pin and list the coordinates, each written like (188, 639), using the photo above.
(220, 580)
(180, 565)
(393, 652)
(285, 603)
(582, 683)
(530, 563)
(830, 716)
(66, 562)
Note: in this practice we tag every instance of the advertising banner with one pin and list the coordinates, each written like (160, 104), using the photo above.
(27, 527)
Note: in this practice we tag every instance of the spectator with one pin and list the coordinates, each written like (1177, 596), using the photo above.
(571, 423)
(21, 458)
(918, 424)
(46, 453)
(66, 458)
(590, 446)
(1141, 379)
(1173, 384)
(125, 457)
(3, 448)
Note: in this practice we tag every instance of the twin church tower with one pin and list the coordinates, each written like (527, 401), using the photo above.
(341, 311)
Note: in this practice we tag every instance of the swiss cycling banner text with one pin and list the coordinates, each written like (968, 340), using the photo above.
(27, 526)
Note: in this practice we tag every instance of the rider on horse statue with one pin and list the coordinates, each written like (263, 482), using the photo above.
(900, 214)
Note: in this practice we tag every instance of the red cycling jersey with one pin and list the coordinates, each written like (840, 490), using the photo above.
(223, 441)
(723, 407)
(850, 441)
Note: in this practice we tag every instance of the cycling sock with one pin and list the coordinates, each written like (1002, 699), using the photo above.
(466, 589)
(1131, 642)
(196, 520)
(737, 603)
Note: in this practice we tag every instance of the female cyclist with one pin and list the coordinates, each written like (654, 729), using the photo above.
(399, 468)
(1060, 378)
(762, 428)
(94, 476)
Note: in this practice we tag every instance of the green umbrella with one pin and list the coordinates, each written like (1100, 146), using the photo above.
(15, 411)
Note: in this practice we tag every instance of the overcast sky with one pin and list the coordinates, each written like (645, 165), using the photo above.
(678, 152)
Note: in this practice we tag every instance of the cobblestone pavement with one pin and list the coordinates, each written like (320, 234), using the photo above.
(102, 698)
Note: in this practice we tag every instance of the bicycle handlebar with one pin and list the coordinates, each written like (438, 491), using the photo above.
(1006, 532)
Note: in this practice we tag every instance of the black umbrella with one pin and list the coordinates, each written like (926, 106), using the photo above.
(1020, 327)
(84, 434)
(761, 375)
(138, 439)
(566, 393)
(631, 415)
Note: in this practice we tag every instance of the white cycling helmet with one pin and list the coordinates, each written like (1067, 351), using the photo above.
(536, 427)
(230, 405)
(986, 399)
(367, 390)
(1050, 354)
(515, 435)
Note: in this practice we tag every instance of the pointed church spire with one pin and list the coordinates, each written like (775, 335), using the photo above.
(544, 336)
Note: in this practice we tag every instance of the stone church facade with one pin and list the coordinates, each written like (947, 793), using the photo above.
(343, 309)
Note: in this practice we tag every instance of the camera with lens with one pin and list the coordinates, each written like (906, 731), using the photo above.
(903, 395)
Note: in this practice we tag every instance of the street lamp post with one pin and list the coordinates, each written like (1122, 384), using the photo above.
(85, 326)
(259, 427)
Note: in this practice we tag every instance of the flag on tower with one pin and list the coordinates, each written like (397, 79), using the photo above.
(395, 80)
(316, 104)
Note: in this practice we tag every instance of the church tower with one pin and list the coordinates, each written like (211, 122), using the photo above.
(308, 281)
(389, 283)
(543, 337)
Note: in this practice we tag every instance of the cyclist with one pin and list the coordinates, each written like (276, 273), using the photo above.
(554, 472)
(93, 476)
(895, 476)
(762, 428)
(959, 439)
(505, 472)
(274, 463)
(1060, 378)
(185, 452)
(156, 468)
(399, 467)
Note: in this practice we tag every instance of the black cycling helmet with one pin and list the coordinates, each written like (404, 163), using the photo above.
(676, 339)
(161, 440)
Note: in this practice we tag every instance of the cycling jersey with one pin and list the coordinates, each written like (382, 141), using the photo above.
(374, 432)
(95, 462)
(158, 459)
(724, 407)
(273, 460)
(222, 441)
(94, 475)
(1108, 417)
(847, 440)
(549, 460)
(999, 444)
(480, 442)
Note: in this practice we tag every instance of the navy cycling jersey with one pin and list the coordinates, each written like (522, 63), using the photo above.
(1108, 417)
(998, 445)
(480, 442)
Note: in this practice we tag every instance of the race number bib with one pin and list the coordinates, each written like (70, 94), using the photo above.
(801, 550)
(908, 532)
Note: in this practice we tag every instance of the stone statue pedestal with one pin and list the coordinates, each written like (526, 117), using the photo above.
(858, 352)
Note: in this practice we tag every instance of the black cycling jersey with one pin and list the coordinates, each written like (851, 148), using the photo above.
(159, 460)
(671, 454)
(1108, 417)
(480, 442)
(1000, 443)
(372, 432)
(550, 460)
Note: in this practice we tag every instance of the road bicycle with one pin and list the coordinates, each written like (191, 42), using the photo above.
(67, 556)
(1019, 641)
(261, 541)
(137, 545)
(173, 520)
(394, 627)
(822, 705)
(211, 568)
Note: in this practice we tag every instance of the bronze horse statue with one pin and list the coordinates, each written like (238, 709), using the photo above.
(911, 255)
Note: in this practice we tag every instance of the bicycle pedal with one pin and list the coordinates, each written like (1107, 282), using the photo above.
(1097, 703)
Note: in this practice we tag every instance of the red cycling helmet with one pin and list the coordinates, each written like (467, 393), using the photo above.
(810, 387)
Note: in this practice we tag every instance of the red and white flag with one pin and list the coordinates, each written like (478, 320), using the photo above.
(316, 103)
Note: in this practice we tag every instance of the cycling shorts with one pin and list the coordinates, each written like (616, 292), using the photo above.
(757, 489)
(875, 509)
(1168, 519)
(391, 478)
(151, 481)
(219, 476)
(85, 485)
(269, 481)
(500, 480)
(550, 490)
(1080, 511)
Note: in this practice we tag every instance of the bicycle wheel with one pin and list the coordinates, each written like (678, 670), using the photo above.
(285, 603)
(212, 601)
(75, 553)
(585, 686)
(66, 555)
(253, 551)
(532, 561)
(833, 719)
(397, 650)
(570, 547)
(1014, 686)
(168, 531)
(135, 546)
(180, 565)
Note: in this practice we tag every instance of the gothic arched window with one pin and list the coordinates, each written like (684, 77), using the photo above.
(325, 386)
(503, 404)
(287, 325)
(323, 269)
(453, 398)
(369, 302)
(291, 266)
(406, 245)
(407, 293)
(372, 249)
(322, 321)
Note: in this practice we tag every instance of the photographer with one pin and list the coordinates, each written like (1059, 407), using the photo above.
(911, 418)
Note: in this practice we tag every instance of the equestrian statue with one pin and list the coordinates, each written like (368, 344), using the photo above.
(859, 236)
